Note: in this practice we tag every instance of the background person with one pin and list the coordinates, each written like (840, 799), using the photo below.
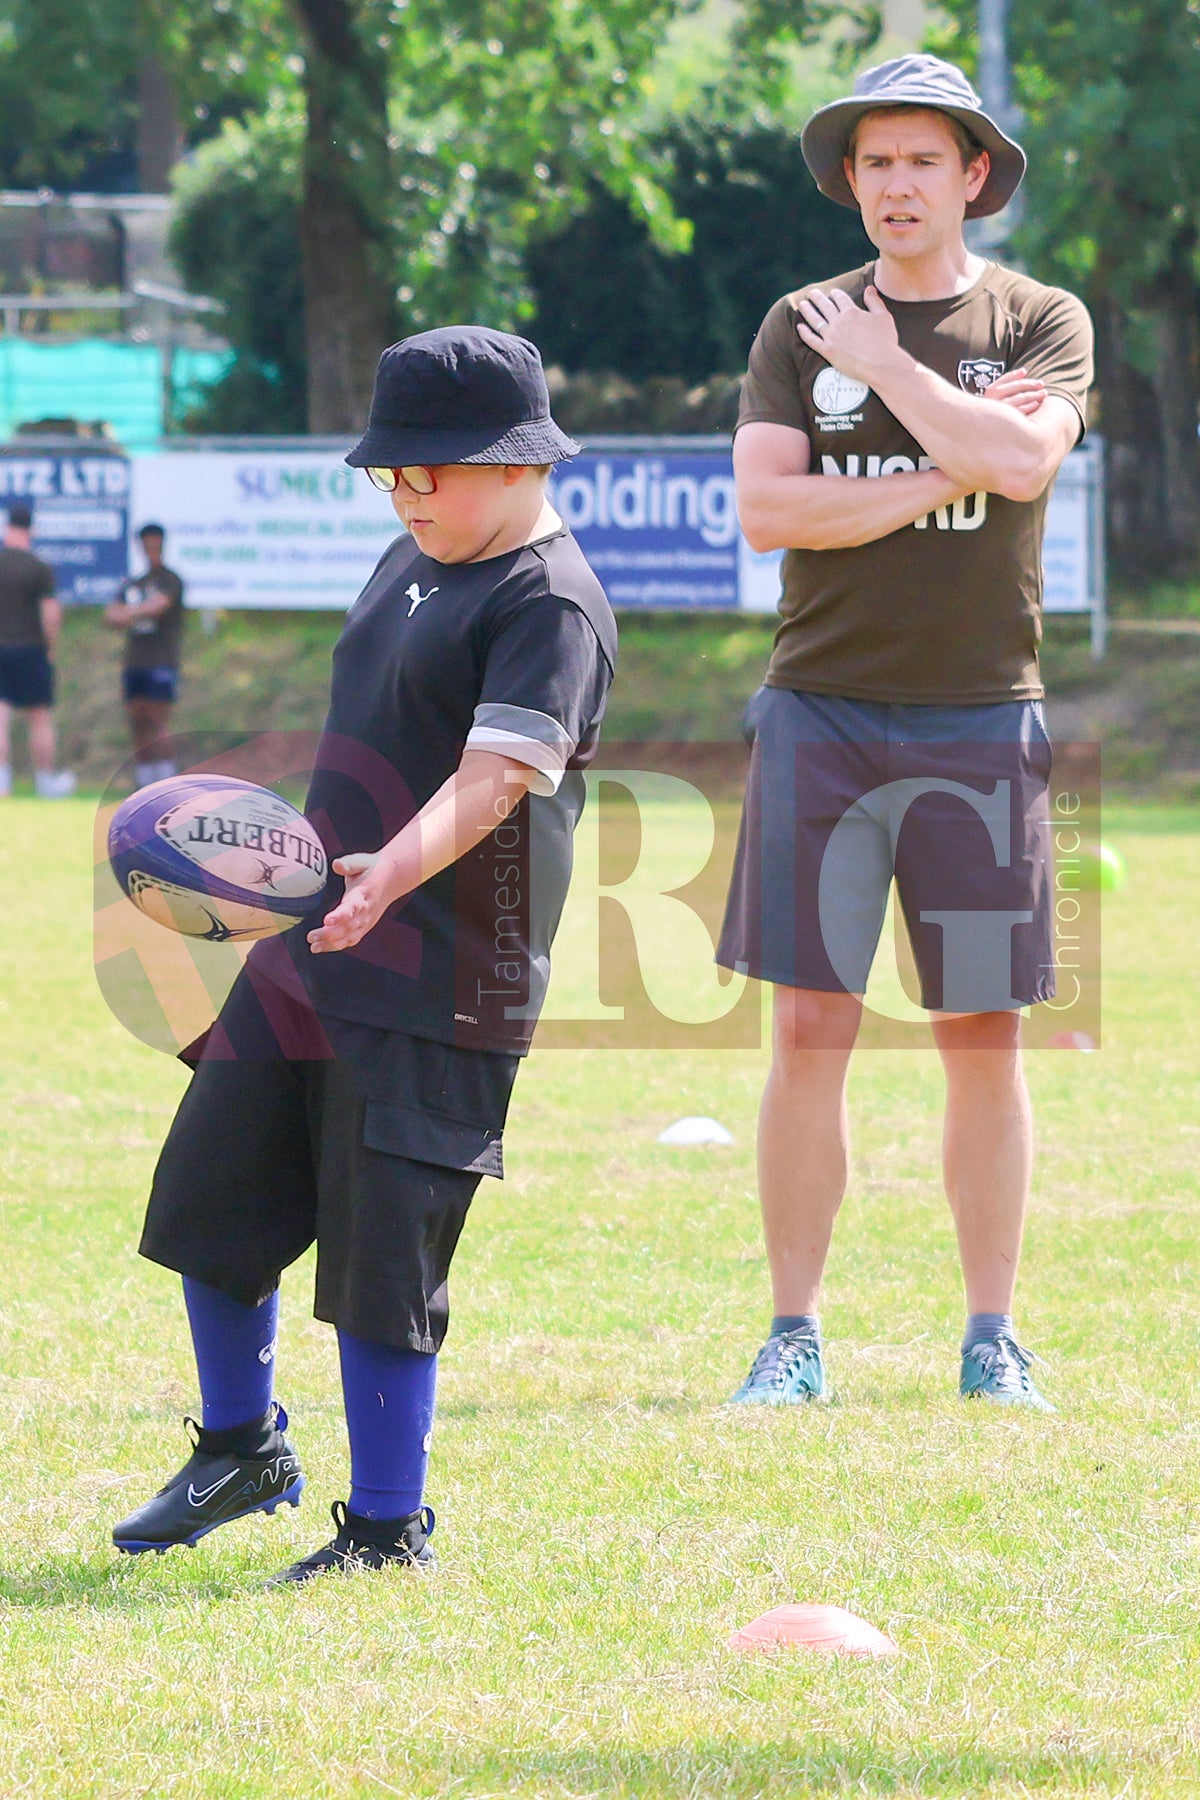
(30, 623)
(150, 612)
(870, 447)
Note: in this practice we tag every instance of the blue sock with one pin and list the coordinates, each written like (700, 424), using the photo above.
(389, 1419)
(235, 1354)
(982, 1326)
(796, 1322)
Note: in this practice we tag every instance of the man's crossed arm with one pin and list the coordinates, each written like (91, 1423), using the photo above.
(1011, 447)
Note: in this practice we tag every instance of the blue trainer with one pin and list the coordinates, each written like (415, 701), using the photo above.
(997, 1369)
(788, 1371)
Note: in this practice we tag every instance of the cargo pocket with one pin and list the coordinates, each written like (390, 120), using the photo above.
(432, 1137)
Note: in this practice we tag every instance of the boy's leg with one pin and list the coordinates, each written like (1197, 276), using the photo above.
(233, 1202)
(407, 1127)
(389, 1394)
(235, 1354)
(241, 1461)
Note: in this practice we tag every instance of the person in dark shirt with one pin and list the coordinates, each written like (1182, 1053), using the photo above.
(355, 1086)
(30, 621)
(899, 429)
(150, 613)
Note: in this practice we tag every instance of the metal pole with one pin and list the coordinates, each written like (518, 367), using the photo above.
(995, 90)
(993, 59)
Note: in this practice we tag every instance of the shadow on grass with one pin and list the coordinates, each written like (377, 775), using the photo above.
(730, 1770)
(124, 1584)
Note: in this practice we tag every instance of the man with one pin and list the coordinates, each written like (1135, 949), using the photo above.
(899, 429)
(30, 623)
(150, 613)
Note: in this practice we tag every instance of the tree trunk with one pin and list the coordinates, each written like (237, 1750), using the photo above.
(159, 132)
(1176, 302)
(349, 305)
(1138, 535)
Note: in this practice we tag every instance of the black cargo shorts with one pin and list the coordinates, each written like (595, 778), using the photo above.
(369, 1143)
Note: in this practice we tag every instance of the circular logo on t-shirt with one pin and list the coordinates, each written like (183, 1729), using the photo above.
(837, 393)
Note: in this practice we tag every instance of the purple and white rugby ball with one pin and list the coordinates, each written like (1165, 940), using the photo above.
(218, 858)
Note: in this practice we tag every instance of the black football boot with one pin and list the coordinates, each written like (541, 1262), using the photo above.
(251, 1468)
(363, 1544)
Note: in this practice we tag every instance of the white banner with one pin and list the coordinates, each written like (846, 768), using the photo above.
(297, 528)
(271, 528)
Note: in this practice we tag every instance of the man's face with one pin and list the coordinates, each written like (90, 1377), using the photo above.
(908, 178)
(152, 547)
(472, 505)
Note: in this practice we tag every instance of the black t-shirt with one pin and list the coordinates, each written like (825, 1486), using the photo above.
(155, 643)
(25, 581)
(514, 654)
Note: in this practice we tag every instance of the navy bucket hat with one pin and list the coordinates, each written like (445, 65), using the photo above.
(460, 394)
(919, 81)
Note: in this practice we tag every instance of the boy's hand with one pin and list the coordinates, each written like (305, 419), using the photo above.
(1016, 388)
(363, 904)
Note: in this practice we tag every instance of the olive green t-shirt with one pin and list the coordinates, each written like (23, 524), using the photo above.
(947, 610)
(155, 643)
(25, 581)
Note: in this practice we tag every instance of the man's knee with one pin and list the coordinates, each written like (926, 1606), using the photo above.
(807, 1020)
(977, 1031)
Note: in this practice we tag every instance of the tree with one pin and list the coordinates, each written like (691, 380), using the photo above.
(759, 227)
(1112, 97)
(236, 236)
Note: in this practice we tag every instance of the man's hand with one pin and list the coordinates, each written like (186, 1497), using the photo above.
(859, 341)
(363, 904)
(1016, 388)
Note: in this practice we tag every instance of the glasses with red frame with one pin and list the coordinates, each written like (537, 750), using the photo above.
(417, 476)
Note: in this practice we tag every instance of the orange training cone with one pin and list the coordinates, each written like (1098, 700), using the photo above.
(829, 1629)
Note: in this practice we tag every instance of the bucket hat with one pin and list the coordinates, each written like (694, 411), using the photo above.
(918, 81)
(460, 394)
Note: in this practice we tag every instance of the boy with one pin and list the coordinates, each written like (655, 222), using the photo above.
(355, 1086)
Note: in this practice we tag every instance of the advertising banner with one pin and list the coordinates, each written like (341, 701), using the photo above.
(80, 502)
(660, 531)
(297, 528)
(265, 528)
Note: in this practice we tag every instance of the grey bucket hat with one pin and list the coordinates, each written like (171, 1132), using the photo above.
(917, 81)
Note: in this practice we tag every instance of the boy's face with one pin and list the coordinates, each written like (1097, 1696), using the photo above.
(474, 506)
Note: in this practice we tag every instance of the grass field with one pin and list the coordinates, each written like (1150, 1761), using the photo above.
(602, 1525)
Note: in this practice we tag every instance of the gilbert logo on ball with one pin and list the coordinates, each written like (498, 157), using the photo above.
(217, 858)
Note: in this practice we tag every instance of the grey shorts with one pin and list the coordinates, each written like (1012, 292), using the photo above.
(953, 802)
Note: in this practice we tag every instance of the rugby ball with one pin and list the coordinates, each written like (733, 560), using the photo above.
(218, 858)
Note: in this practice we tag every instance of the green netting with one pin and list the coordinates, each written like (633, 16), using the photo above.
(121, 384)
(194, 370)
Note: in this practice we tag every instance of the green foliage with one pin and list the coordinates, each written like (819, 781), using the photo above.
(66, 89)
(235, 237)
(759, 229)
(1112, 101)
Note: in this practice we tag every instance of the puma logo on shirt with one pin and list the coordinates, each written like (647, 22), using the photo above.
(413, 593)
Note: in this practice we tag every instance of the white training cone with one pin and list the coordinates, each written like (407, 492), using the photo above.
(695, 1131)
